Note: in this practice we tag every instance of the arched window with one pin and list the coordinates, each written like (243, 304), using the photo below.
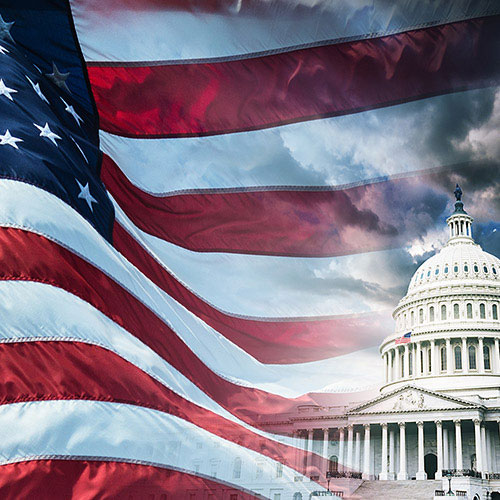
(429, 359)
(402, 364)
(446, 269)
(443, 312)
(443, 359)
(455, 268)
(494, 311)
(466, 268)
(482, 311)
(333, 465)
(412, 318)
(420, 315)
(404, 320)
(476, 269)
(297, 495)
(421, 362)
(456, 311)
(237, 468)
(485, 269)
(410, 363)
(486, 357)
(458, 357)
(431, 313)
(472, 358)
(469, 311)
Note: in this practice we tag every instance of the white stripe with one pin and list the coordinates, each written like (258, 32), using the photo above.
(313, 153)
(262, 285)
(123, 31)
(30, 208)
(123, 432)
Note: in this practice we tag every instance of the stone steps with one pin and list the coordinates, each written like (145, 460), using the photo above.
(396, 490)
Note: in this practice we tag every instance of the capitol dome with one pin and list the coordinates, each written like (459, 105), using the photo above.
(447, 325)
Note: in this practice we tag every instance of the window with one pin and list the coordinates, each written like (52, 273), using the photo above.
(469, 311)
(436, 271)
(412, 318)
(402, 364)
(443, 312)
(279, 469)
(214, 465)
(443, 359)
(486, 357)
(297, 496)
(482, 311)
(485, 269)
(446, 270)
(466, 268)
(431, 313)
(428, 273)
(421, 362)
(421, 316)
(277, 496)
(458, 358)
(494, 270)
(422, 275)
(237, 468)
(410, 364)
(456, 311)
(494, 311)
(429, 359)
(333, 464)
(472, 357)
(455, 268)
(476, 269)
(260, 470)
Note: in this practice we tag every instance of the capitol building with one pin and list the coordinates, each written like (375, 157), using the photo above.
(435, 425)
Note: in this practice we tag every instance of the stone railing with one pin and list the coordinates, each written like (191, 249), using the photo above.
(492, 475)
(461, 473)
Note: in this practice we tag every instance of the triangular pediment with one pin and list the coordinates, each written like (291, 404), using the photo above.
(411, 399)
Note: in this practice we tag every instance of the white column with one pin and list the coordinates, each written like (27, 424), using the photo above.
(465, 364)
(449, 360)
(310, 436)
(496, 356)
(421, 465)
(434, 369)
(402, 452)
(446, 449)
(341, 450)
(350, 437)
(397, 375)
(418, 359)
(439, 449)
(325, 443)
(383, 473)
(458, 444)
(357, 455)
(366, 452)
(480, 355)
(477, 439)
(407, 361)
(484, 448)
(392, 454)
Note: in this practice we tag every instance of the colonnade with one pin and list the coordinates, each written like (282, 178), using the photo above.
(423, 358)
(354, 437)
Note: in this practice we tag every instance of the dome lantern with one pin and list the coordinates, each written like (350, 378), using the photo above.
(460, 222)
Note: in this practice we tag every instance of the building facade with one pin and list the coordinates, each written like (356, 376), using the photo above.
(438, 412)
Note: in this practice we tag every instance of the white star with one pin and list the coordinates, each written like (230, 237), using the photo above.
(6, 91)
(36, 88)
(3, 50)
(46, 132)
(72, 112)
(5, 30)
(58, 78)
(85, 195)
(8, 139)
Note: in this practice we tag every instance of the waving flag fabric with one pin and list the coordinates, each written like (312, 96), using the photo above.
(178, 264)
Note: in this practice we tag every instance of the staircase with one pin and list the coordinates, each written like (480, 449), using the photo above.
(396, 490)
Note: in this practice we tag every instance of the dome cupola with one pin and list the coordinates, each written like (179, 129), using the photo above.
(447, 325)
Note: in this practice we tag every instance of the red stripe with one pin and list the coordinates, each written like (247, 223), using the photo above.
(308, 223)
(28, 256)
(296, 340)
(232, 96)
(90, 479)
(35, 371)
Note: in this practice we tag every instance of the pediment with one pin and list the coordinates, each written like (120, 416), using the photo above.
(410, 399)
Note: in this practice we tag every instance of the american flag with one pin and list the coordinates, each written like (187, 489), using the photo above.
(404, 339)
(163, 210)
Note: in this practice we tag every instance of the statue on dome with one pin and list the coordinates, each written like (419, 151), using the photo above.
(458, 193)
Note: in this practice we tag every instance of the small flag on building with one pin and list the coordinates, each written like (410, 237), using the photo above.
(404, 339)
